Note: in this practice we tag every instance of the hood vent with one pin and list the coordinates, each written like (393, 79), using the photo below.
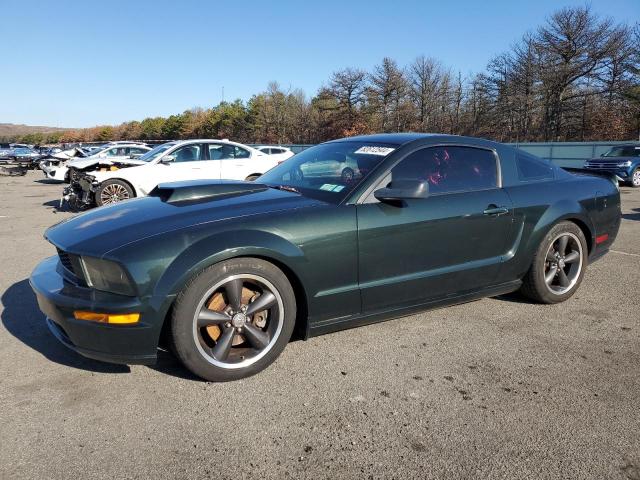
(198, 190)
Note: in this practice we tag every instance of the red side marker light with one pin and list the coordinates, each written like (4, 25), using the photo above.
(602, 238)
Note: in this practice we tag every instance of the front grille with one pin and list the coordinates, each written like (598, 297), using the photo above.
(602, 166)
(71, 263)
(65, 260)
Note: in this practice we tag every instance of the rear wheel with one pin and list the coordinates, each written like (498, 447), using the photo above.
(113, 191)
(233, 320)
(558, 266)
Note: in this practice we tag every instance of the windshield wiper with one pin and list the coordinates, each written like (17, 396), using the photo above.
(286, 188)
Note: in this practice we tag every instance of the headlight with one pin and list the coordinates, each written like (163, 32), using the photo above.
(107, 276)
(625, 164)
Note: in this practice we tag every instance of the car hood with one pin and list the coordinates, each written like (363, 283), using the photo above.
(82, 163)
(103, 229)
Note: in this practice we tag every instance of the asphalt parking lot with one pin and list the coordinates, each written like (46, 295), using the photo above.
(498, 388)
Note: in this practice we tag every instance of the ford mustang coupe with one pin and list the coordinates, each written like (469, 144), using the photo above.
(227, 271)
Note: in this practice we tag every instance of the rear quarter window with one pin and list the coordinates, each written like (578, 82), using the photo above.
(531, 168)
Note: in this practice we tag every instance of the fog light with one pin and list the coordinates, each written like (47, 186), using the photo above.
(121, 318)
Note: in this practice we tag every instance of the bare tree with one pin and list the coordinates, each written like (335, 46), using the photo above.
(424, 76)
(387, 92)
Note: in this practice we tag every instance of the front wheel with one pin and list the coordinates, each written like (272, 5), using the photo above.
(635, 178)
(558, 265)
(233, 319)
(113, 191)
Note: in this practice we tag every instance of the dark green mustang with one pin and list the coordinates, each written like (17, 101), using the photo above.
(345, 233)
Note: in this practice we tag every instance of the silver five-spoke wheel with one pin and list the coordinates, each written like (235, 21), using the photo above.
(563, 263)
(238, 320)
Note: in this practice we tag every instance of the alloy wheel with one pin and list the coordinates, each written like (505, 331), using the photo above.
(636, 178)
(113, 193)
(563, 263)
(238, 320)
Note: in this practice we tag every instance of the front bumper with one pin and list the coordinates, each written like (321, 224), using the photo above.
(54, 172)
(58, 297)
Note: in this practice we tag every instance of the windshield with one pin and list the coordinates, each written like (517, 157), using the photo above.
(156, 152)
(628, 151)
(330, 171)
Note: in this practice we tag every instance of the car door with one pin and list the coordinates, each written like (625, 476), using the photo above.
(237, 165)
(185, 164)
(449, 243)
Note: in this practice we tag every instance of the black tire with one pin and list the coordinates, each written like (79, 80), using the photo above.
(635, 178)
(102, 196)
(535, 286)
(252, 177)
(187, 339)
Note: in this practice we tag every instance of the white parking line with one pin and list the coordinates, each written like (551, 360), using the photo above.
(625, 253)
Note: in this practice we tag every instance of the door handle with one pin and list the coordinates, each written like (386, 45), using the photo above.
(495, 210)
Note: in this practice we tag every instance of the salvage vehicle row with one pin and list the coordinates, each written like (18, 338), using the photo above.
(108, 180)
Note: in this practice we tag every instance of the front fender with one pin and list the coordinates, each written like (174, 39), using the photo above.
(222, 246)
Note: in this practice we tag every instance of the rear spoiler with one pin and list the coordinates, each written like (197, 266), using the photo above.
(588, 172)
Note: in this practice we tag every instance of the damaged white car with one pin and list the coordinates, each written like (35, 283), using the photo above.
(169, 162)
(63, 165)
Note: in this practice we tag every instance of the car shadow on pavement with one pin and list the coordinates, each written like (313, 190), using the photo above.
(47, 181)
(632, 216)
(22, 319)
(168, 364)
(513, 297)
(52, 203)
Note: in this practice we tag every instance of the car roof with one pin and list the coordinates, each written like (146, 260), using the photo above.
(210, 140)
(391, 138)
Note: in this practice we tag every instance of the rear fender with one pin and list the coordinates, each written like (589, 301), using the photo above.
(562, 210)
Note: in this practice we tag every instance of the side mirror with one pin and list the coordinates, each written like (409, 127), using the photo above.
(168, 159)
(403, 190)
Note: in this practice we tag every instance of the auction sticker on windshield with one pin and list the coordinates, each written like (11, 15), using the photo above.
(330, 187)
(373, 150)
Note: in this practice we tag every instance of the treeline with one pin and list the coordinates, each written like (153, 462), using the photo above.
(577, 77)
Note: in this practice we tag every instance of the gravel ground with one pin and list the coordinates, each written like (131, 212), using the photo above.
(497, 388)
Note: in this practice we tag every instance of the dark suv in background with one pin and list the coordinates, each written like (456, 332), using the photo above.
(622, 160)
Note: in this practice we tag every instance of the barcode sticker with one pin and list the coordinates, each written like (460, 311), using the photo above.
(372, 150)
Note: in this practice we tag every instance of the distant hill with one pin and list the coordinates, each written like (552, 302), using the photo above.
(11, 130)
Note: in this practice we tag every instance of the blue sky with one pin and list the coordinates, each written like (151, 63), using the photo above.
(83, 63)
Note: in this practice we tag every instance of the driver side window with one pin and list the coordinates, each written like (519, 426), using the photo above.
(188, 153)
(450, 169)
